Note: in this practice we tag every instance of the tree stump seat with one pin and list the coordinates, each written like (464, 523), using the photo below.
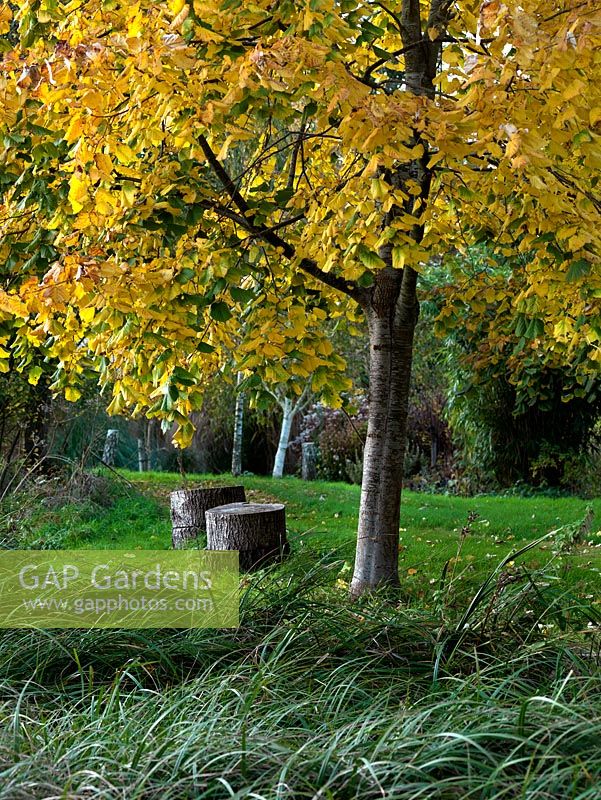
(188, 508)
(256, 530)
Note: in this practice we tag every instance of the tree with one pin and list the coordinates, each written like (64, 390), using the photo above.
(374, 136)
(238, 430)
(523, 397)
(290, 408)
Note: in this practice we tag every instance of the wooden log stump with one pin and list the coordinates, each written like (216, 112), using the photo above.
(256, 530)
(188, 507)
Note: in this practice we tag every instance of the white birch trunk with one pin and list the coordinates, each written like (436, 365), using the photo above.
(111, 444)
(288, 410)
(238, 431)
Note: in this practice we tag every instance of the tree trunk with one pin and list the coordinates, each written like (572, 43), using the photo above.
(280, 457)
(142, 455)
(238, 430)
(257, 531)
(111, 444)
(391, 308)
(188, 507)
(150, 443)
(309, 464)
(392, 315)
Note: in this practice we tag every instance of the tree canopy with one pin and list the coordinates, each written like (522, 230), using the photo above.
(168, 167)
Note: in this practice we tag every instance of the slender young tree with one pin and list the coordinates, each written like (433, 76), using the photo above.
(238, 429)
(290, 408)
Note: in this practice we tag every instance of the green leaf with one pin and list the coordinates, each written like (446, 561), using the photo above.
(368, 258)
(521, 326)
(219, 286)
(535, 328)
(251, 382)
(582, 137)
(186, 274)
(380, 52)
(181, 375)
(366, 280)
(241, 295)
(220, 311)
(578, 269)
(283, 196)
(205, 347)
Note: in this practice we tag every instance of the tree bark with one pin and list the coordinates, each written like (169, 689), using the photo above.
(392, 315)
(238, 432)
(257, 531)
(111, 444)
(288, 410)
(142, 455)
(391, 308)
(309, 463)
(188, 508)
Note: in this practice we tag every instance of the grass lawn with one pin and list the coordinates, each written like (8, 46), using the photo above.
(322, 517)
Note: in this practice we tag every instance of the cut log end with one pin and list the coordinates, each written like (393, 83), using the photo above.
(256, 530)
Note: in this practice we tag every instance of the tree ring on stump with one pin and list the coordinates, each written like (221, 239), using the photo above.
(256, 530)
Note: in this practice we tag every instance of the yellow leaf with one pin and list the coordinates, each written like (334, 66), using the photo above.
(105, 202)
(6, 16)
(578, 241)
(104, 163)
(319, 380)
(72, 394)
(136, 24)
(184, 435)
(398, 257)
(93, 100)
(513, 146)
(78, 192)
(35, 373)
(74, 130)
(124, 153)
(180, 17)
(562, 328)
(87, 314)
(378, 189)
(128, 194)
(11, 304)
(574, 89)
(222, 155)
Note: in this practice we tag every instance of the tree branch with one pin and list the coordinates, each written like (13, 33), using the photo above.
(246, 218)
